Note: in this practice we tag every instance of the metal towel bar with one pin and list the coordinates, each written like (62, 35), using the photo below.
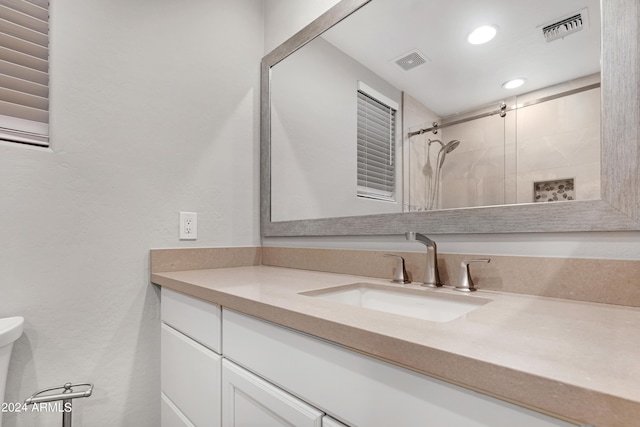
(67, 395)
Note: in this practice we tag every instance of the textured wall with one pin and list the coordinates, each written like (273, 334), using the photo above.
(154, 110)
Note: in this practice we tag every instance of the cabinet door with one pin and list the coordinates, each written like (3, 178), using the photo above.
(250, 401)
(190, 377)
(327, 421)
(171, 416)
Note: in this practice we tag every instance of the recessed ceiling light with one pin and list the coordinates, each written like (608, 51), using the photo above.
(512, 84)
(482, 34)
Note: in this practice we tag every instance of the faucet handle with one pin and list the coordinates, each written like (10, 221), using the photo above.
(465, 283)
(399, 273)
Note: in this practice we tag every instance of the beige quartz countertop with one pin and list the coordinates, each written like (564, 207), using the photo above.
(575, 360)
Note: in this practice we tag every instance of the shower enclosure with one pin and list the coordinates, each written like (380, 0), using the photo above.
(537, 147)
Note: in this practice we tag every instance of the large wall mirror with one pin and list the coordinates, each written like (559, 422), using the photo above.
(384, 116)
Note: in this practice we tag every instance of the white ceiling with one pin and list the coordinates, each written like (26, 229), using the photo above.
(460, 76)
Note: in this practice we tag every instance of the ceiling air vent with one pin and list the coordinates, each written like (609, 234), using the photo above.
(565, 26)
(411, 60)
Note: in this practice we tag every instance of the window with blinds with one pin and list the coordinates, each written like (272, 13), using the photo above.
(376, 146)
(24, 71)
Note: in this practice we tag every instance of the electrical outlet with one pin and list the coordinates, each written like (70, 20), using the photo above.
(188, 226)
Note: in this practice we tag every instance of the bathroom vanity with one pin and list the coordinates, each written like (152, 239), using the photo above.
(283, 352)
(279, 352)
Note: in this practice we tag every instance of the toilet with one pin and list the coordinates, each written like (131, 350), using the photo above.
(10, 330)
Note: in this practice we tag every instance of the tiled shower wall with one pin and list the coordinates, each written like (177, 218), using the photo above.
(560, 139)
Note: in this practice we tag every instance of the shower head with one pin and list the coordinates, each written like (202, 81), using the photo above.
(451, 145)
(446, 149)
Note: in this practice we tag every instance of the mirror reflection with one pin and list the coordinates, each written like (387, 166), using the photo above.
(394, 110)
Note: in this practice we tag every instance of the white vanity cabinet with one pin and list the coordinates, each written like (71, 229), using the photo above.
(360, 390)
(190, 362)
(224, 368)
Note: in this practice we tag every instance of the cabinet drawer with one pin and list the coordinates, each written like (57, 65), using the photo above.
(360, 390)
(190, 377)
(195, 318)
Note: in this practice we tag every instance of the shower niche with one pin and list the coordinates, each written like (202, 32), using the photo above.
(496, 154)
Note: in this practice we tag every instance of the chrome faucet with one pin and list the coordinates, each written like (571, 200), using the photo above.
(400, 272)
(465, 283)
(431, 274)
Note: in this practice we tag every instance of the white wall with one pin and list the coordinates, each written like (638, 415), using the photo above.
(613, 245)
(154, 110)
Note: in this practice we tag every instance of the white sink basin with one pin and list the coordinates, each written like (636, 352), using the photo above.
(422, 304)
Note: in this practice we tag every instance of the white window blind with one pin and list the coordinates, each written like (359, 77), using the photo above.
(24, 71)
(376, 148)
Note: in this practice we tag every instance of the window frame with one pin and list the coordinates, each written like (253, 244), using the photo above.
(363, 160)
(24, 72)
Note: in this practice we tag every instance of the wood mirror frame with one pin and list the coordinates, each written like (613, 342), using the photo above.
(619, 205)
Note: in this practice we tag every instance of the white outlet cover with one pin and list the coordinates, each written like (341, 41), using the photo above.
(188, 226)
